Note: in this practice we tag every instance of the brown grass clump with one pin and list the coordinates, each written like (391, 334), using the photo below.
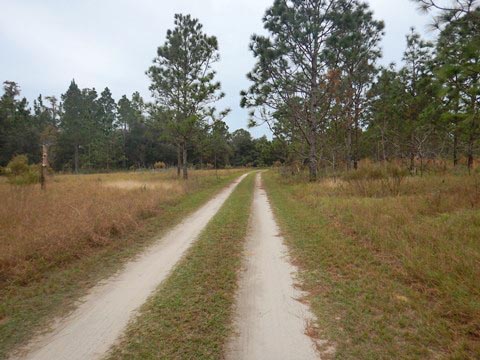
(376, 180)
(76, 215)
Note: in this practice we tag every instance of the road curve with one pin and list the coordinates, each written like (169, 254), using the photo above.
(100, 319)
(270, 322)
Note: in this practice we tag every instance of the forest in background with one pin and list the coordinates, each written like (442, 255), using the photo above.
(103, 134)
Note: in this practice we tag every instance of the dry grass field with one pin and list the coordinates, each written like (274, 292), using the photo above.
(392, 264)
(40, 230)
(58, 243)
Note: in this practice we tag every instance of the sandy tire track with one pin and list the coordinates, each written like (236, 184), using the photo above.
(270, 322)
(90, 330)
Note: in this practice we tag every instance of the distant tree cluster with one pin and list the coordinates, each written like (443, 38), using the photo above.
(88, 132)
(317, 84)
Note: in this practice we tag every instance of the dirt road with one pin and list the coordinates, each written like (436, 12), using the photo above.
(270, 322)
(101, 317)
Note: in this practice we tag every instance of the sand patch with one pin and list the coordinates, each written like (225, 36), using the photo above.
(147, 185)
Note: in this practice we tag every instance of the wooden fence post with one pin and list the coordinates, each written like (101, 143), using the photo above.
(43, 169)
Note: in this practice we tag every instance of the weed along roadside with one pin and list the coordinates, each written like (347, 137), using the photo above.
(388, 275)
(189, 317)
(28, 305)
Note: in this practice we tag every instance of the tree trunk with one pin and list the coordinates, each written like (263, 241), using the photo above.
(470, 162)
(356, 145)
(471, 138)
(108, 155)
(75, 158)
(349, 148)
(43, 169)
(185, 165)
(470, 153)
(412, 154)
(384, 152)
(421, 164)
(124, 160)
(179, 160)
(334, 164)
(312, 160)
(412, 162)
(334, 168)
(455, 149)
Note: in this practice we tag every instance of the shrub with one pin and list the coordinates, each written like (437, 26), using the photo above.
(19, 172)
(159, 165)
(18, 165)
(376, 180)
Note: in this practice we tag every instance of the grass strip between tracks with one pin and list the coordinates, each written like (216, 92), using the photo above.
(190, 315)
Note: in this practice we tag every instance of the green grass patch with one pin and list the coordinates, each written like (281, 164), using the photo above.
(394, 277)
(25, 309)
(190, 315)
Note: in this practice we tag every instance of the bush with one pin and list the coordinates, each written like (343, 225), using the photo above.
(159, 165)
(18, 165)
(366, 173)
(376, 180)
(19, 172)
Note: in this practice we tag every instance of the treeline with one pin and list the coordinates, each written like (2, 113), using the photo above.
(86, 131)
(318, 84)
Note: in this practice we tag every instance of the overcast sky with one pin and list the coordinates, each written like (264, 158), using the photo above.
(46, 43)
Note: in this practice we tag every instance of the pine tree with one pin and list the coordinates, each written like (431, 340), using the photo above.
(183, 81)
(387, 107)
(458, 72)
(73, 130)
(290, 76)
(417, 78)
(354, 49)
(107, 122)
